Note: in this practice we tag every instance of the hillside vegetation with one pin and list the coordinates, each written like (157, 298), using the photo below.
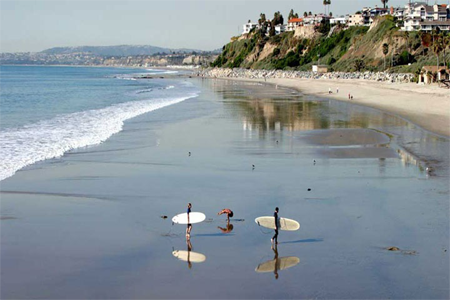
(358, 48)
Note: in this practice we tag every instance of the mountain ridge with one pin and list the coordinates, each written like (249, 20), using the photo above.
(119, 50)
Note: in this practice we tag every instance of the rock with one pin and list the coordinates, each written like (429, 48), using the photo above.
(393, 249)
(268, 74)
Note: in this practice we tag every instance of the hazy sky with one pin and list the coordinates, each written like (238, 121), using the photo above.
(40, 24)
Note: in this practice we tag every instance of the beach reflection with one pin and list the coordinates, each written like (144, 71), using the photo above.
(262, 108)
(227, 229)
(188, 255)
(271, 115)
(277, 263)
(297, 114)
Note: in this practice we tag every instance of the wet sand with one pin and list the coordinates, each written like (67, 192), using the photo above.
(88, 225)
(426, 106)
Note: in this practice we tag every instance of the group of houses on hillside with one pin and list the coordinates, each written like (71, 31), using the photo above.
(416, 16)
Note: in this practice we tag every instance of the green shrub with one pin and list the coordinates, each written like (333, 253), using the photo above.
(276, 51)
(405, 58)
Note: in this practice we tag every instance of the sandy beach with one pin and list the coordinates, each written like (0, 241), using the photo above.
(89, 224)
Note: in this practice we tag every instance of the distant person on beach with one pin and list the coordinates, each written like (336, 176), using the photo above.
(189, 225)
(227, 211)
(329, 90)
(349, 96)
(337, 90)
(275, 237)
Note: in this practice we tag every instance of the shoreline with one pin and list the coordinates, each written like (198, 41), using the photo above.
(425, 106)
(95, 214)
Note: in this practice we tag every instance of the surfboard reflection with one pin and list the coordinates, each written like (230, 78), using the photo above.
(188, 255)
(227, 229)
(277, 263)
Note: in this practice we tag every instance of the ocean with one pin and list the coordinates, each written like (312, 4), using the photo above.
(95, 223)
(47, 111)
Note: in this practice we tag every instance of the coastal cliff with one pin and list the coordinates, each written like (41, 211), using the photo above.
(379, 47)
(112, 56)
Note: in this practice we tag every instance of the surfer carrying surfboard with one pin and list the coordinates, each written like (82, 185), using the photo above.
(275, 237)
(189, 225)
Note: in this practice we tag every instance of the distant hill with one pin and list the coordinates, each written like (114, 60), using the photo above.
(120, 50)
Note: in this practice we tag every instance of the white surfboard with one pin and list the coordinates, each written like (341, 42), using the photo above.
(194, 217)
(283, 223)
(189, 256)
(277, 264)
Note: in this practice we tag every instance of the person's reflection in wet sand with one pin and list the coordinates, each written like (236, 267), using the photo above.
(189, 249)
(227, 229)
(277, 263)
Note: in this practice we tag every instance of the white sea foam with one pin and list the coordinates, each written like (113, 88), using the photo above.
(162, 71)
(144, 91)
(52, 138)
(149, 90)
(124, 77)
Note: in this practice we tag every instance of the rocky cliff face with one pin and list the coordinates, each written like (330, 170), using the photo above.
(306, 32)
(160, 60)
(198, 60)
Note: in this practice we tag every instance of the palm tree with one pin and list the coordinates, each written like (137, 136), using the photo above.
(262, 19)
(385, 52)
(426, 40)
(406, 36)
(445, 44)
(291, 14)
(437, 47)
(384, 2)
(325, 3)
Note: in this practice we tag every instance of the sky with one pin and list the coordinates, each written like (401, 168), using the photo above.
(35, 25)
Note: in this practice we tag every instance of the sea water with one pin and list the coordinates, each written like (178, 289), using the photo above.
(47, 111)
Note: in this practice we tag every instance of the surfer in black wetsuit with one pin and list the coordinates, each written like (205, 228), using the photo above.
(275, 237)
(189, 225)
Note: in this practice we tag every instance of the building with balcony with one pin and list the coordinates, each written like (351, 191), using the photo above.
(294, 23)
(247, 27)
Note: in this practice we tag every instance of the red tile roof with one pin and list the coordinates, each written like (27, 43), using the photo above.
(295, 20)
